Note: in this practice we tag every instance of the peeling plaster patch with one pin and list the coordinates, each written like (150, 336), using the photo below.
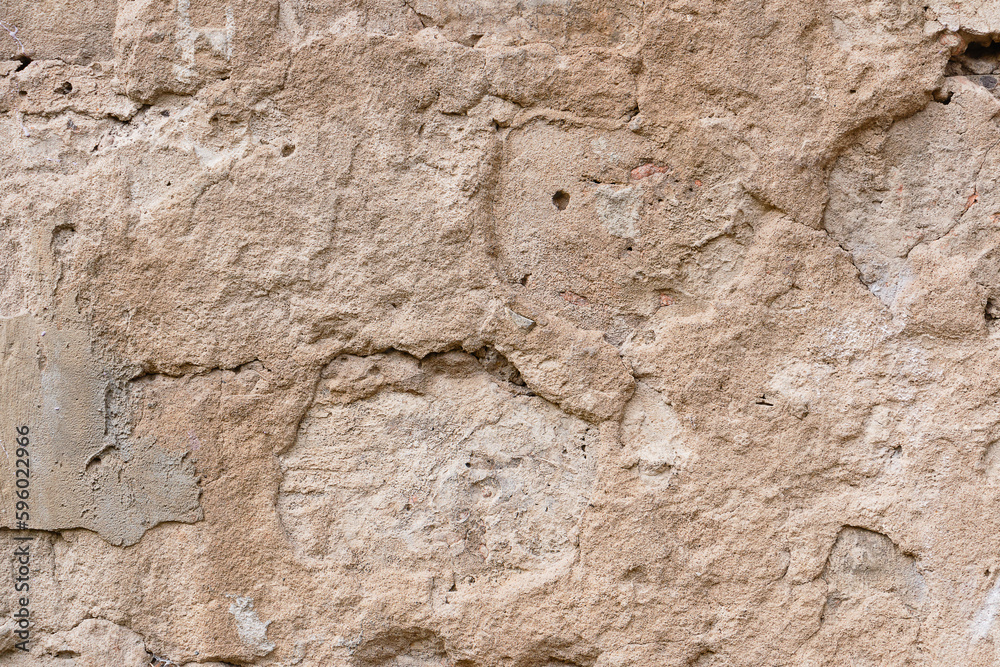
(520, 320)
(619, 210)
(53, 384)
(448, 463)
(220, 40)
(655, 433)
(884, 276)
(864, 562)
(878, 430)
(602, 149)
(252, 630)
(185, 42)
(983, 621)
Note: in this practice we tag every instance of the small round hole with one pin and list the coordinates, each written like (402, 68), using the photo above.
(65, 89)
(561, 200)
(287, 150)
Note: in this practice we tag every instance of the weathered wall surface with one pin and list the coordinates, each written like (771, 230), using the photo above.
(427, 333)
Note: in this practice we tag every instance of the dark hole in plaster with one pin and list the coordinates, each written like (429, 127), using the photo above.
(992, 311)
(979, 63)
(561, 200)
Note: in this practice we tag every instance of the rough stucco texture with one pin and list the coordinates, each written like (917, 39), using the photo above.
(440, 333)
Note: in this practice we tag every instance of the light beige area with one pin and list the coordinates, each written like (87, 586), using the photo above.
(493, 477)
(482, 334)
